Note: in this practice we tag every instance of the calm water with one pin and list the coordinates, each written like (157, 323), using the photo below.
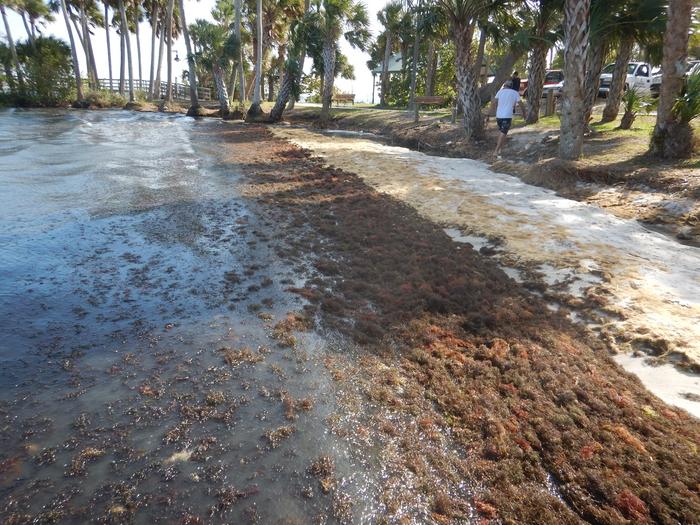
(128, 259)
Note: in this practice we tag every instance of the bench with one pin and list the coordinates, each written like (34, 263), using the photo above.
(344, 97)
(431, 101)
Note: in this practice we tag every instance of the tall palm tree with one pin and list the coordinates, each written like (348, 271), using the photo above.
(127, 40)
(546, 17)
(334, 16)
(462, 16)
(13, 49)
(672, 137)
(74, 54)
(169, 45)
(135, 15)
(153, 20)
(390, 18)
(241, 72)
(576, 29)
(195, 108)
(255, 110)
(109, 49)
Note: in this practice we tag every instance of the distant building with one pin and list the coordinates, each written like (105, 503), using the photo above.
(395, 66)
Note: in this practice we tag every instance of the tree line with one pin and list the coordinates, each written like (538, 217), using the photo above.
(255, 47)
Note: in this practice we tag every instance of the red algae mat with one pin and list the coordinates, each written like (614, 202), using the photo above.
(546, 427)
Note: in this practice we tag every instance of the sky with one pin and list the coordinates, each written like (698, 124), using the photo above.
(361, 86)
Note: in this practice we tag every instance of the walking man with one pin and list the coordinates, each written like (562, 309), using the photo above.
(507, 99)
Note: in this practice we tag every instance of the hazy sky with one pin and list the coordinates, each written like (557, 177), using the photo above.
(361, 86)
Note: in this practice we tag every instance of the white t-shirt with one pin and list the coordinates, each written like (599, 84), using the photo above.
(507, 99)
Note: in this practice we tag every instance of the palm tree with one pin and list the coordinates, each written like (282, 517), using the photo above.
(672, 137)
(13, 49)
(169, 44)
(390, 18)
(576, 20)
(195, 108)
(642, 21)
(462, 16)
(545, 19)
(241, 72)
(109, 49)
(125, 35)
(136, 16)
(255, 110)
(74, 54)
(333, 17)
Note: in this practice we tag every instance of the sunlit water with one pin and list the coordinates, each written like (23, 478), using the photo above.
(127, 260)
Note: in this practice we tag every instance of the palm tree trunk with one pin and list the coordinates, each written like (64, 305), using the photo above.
(328, 78)
(194, 98)
(255, 108)
(663, 141)
(91, 64)
(466, 81)
(74, 53)
(535, 81)
(30, 35)
(169, 43)
(232, 80)
(156, 87)
(414, 65)
(432, 66)
(596, 55)
(385, 68)
(479, 62)
(241, 71)
(127, 39)
(617, 84)
(138, 43)
(122, 63)
(154, 31)
(218, 73)
(109, 49)
(13, 49)
(576, 29)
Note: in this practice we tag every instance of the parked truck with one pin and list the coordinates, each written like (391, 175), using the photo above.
(639, 76)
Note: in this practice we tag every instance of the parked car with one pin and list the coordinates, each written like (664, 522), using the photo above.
(693, 66)
(553, 81)
(639, 76)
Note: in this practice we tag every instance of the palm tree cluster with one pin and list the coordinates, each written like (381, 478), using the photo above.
(258, 47)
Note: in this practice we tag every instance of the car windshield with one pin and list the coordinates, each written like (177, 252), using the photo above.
(553, 76)
(631, 68)
(691, 65)
(609, 68)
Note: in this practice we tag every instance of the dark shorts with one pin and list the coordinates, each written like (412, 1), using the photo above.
(504, 124)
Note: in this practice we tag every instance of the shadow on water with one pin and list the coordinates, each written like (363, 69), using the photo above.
(145, 376)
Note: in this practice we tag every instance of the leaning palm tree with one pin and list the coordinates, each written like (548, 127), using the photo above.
(74, 54)
(195, 109)
(109, 49)
(390, 18)
(672, 137)
(125, 34)
(13, 49)
(576, 20)
(334, 16)
(643, 21)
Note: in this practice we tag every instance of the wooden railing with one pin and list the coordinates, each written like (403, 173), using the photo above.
(180, 91)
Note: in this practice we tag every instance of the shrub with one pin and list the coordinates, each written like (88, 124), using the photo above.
(687, 106)
(47, 71)
(104, 98)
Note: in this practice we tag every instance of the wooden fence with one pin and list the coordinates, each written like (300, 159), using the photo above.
(180, 91)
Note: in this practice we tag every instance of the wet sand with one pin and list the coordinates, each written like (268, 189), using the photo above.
(221, 329)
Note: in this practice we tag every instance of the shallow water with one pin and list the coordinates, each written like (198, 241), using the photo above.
(128, 259)
(650, 282)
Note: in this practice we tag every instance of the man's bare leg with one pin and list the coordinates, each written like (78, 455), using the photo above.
(499, 144)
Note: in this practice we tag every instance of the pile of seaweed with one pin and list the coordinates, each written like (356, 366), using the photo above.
(534, 401)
